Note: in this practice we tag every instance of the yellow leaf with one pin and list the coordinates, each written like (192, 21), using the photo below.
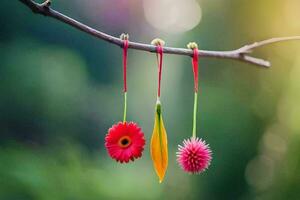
(159, 145)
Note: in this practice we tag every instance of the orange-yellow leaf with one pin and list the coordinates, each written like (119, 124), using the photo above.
(159, 145)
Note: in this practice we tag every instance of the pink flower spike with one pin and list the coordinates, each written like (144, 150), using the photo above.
(194, 156)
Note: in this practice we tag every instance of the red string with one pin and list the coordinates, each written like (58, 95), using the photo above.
(125, 47)
(195, 69)
(160, 53)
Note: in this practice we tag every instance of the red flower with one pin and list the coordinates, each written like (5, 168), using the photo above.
(125, 141)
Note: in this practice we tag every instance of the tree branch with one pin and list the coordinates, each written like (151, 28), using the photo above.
(241, 54)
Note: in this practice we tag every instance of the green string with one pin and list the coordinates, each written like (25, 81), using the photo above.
(195, 115)
(125, 107)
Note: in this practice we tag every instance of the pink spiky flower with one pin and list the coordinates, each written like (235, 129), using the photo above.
(194, 156)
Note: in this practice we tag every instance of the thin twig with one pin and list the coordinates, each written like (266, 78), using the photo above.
(241, 54)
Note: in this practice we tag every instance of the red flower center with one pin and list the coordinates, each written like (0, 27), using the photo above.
(124, 141)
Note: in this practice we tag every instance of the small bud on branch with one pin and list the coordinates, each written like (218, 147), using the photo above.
(158, 41)
(124, 36)
(192, 45)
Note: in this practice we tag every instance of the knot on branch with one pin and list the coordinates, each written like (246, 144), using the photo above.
(158, 42)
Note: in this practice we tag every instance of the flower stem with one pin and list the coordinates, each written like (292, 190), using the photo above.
(125, 107)
(195, 115)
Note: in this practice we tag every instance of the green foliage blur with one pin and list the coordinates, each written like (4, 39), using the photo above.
(61, 89)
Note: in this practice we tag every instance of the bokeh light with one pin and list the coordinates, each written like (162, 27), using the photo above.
(174, 16)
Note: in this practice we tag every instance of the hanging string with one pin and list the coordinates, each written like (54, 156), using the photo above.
(195, 68)
(195, 72)
(194, 47)
(159, 60)
(125, 48)
(159, 43)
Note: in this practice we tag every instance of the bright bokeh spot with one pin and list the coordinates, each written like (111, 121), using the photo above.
(172, 15)
(291, 13)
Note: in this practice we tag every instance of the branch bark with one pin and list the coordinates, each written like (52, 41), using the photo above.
(241, 54)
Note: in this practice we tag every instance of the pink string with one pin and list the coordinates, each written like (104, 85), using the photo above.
(125, 64)
(160, 53)
(195, 69)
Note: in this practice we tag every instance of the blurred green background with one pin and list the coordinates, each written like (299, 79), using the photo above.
(61, 89)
